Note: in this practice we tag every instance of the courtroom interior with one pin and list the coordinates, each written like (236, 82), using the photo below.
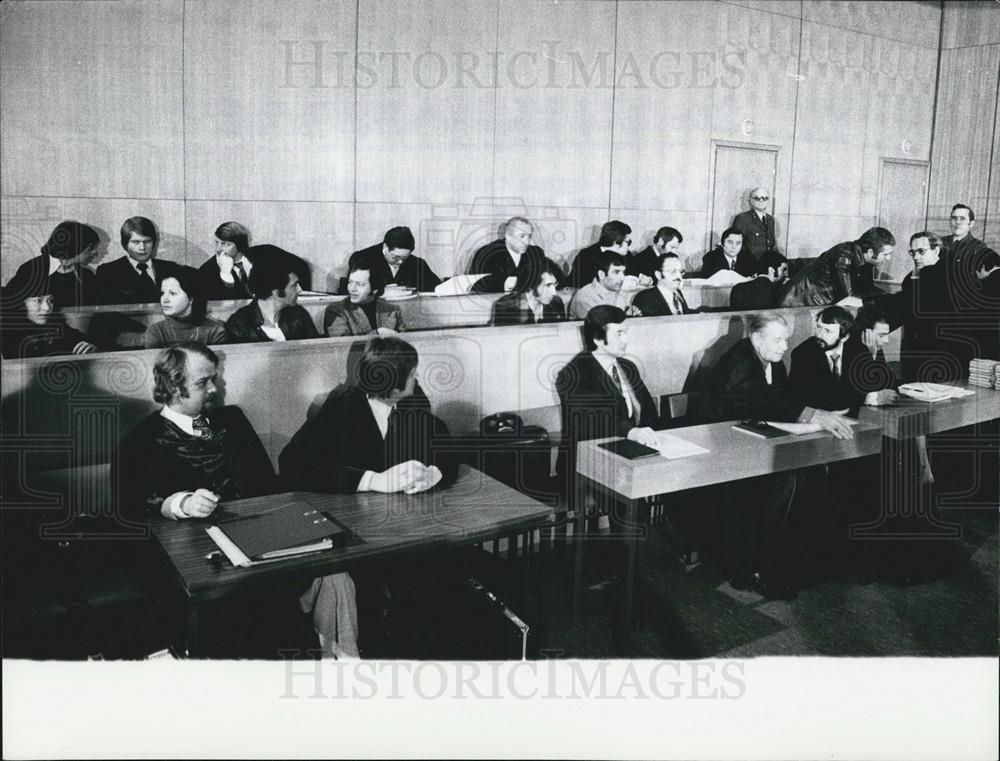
(528, 328)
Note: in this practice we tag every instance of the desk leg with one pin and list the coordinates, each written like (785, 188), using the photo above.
(631, 572)
(579, 537)
(192, 634)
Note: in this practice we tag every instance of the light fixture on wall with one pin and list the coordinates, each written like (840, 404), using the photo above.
(906, 146)
(748, 127)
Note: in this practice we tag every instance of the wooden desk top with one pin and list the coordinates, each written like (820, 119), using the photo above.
(911, 417)
(732, 455)
(390, 526)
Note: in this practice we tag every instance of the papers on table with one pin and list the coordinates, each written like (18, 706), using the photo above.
(673, 447)
(457, 285)
(933, 392)
(726, 277)
(852, 302)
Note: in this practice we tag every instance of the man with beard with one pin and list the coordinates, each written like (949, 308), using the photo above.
(666, 297)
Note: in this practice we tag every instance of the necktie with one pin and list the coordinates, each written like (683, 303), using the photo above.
(392, 424)
(239, 274)
(835, 364)
(202, 428)
(678, 305)
(142, 267)
(632, 401)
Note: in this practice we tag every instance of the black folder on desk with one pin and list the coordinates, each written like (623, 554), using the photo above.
(760, 428)
(630, 450)
(289, 530)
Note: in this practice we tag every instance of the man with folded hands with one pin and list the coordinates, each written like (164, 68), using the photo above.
(184, 459)
(373, 434)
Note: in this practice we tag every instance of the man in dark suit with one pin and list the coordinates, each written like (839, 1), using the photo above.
(185, 458)
(817, 374)
(135, 278)
(729, 255)
(62, 267)
(227, 274)
(666, 241)
(933, 346)
(395, 262)
(532, 301)
(959, 254)
(601, 393)
(373, 434)
(757, 225)
(845, 270)
(503, 259)
(750, 382)
(274, 314)
(616, 237)
(666, 297)
(988, 273)
(764, 291)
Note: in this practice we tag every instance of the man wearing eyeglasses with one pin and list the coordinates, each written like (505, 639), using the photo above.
(922, 308)
(757, 225)
(616, 237)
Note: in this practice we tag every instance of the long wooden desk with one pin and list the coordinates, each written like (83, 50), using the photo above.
(731, 456)
(907, 510)
(388, 526)
(911, 417)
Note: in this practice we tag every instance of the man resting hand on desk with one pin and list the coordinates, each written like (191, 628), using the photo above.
(187, 457)
(750, 381)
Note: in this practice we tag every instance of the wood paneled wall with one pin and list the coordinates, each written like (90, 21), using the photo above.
(965, 164)
(321, 124)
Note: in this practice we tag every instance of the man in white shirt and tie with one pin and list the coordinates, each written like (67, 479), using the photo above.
(666, 298)
(136, 277)
(729, 255)
(817, 374)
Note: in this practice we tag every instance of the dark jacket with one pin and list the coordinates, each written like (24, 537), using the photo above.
(119, 283)
(813, 381)
(494, 260)
(243, 325)
(332, 451)
(826, 279)
(78, 288)
(738, 389)
(934, 346)
(509, 310)
(593, 408)
(652, 303)
(758, 236)
(346, 319)
(715, 260)
(23, 339)
(413, 272)
(646, 262)
(215, 289)
(157, 459)
(759, 293)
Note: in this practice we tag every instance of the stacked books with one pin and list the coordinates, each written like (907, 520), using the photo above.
(985, 373)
